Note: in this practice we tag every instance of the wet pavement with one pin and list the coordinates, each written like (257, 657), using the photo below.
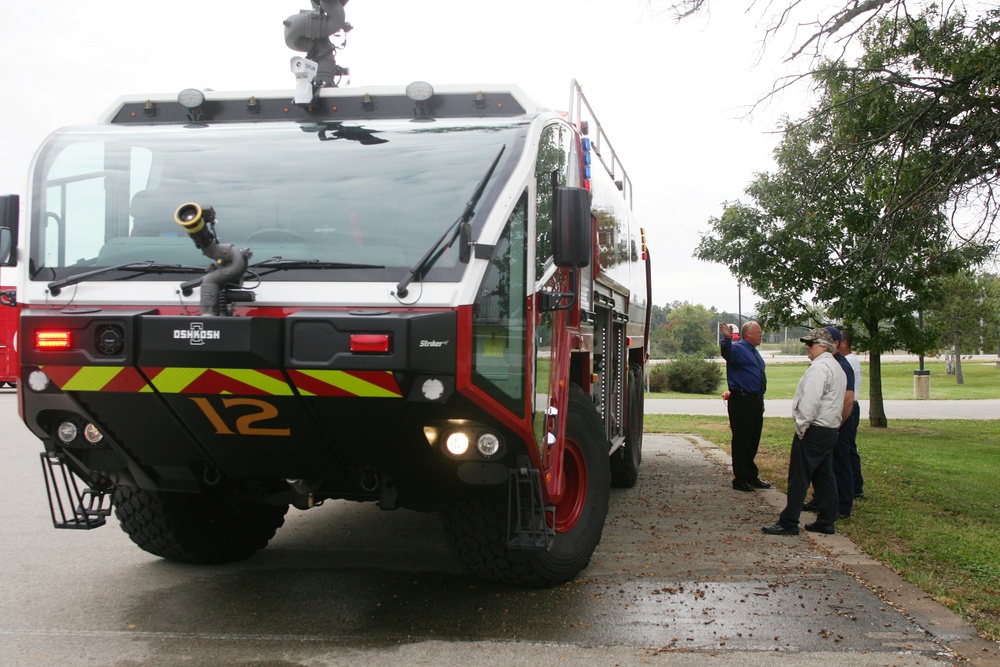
(682, 577)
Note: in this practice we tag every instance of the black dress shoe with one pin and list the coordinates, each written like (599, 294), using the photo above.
(810, 506)
(780, 529)
(816, 528)
(760, 484)
(742, 486)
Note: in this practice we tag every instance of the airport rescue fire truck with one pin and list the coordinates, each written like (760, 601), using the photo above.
(431, 297)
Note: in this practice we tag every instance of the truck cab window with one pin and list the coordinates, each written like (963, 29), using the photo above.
(499, 323)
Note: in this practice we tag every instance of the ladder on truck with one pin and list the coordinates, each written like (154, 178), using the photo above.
(590, 126)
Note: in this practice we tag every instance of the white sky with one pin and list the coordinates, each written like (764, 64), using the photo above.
(672, 98)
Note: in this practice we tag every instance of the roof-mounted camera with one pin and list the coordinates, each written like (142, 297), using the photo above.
(319, 33)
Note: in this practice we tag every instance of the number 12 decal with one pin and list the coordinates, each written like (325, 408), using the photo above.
(244, 423)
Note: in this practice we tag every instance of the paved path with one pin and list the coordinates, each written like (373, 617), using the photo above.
(928, 409)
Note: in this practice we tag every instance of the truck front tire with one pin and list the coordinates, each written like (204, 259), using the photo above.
(477, 529)
(196, 528)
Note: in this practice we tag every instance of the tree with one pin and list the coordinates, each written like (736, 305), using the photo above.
(820, 235)
(928, 77)
(969, 317)
(687, 330)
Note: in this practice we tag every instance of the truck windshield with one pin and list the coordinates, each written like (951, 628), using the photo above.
(371, 195)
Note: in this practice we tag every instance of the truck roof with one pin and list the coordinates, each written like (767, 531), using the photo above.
(445, 101)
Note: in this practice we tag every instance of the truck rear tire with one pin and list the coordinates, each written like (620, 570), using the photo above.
(196, 528)
(625, 462)
(477, 529)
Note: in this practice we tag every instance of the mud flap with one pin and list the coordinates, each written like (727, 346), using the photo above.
(529, 522)
(72, 507)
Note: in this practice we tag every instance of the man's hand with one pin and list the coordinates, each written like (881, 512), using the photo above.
(726, 330)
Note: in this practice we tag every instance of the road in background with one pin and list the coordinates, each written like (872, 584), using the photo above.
(922, 409)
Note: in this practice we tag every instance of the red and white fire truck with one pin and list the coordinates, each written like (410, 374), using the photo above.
(9, 365)
(429, 297)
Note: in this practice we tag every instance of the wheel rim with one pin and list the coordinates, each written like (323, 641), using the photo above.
(569, 509)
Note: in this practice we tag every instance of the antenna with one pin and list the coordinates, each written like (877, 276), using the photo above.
(311, 32)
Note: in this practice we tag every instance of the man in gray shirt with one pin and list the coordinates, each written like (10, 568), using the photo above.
(817, 410)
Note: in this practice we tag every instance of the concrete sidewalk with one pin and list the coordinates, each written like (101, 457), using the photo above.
(916, 409)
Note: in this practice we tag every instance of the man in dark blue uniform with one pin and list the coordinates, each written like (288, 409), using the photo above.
(745, 374)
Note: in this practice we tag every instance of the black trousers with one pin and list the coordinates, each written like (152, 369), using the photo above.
(812, 461)
(859, 479)
(746, 419)
(843, 463)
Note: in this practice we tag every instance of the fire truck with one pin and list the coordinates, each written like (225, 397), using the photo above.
(430, 297)
(9, 367)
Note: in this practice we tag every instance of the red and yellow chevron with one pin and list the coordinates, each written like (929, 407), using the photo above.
(96, 378)
(369, 384)
(240, 381)
(235, 381)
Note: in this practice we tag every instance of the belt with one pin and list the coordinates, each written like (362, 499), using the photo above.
(740, 392)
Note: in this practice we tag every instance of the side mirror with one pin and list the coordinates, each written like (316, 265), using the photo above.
(9, 212)
(572, 229)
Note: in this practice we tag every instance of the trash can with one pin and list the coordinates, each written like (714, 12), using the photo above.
(921, 384)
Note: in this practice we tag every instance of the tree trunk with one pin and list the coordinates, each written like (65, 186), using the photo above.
(958, 363)
(876, 410)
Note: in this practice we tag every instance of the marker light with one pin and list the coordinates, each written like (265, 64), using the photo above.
(457, 443)
(52, 339)
(419, 91)
(38, 381)
(488, 444)
(191, 98)
(371, 343)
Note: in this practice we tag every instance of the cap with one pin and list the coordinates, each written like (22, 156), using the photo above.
(835, 333)
(820, 336)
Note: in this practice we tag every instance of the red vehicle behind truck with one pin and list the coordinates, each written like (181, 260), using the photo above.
(9, 365)
(427, 297)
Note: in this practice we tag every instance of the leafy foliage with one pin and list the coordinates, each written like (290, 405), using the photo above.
(826, 229)
(686, 375)
(685, 330)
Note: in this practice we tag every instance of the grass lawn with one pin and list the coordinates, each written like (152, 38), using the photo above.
(932, 506)
(982, 380)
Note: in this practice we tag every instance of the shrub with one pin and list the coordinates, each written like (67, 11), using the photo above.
(686, 375)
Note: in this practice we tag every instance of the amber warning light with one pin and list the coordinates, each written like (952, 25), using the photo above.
(52, 340)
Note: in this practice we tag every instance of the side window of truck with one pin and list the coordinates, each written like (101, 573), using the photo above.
(550, 171)
(499, 320)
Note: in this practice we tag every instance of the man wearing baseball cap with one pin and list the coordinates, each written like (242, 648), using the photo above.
(843, 469)
(816, 409)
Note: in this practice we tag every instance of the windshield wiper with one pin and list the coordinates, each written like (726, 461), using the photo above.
(443, 243)
(281, 264)
(143, 267)
(274, 264)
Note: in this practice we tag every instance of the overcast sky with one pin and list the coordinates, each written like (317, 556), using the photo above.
(672, 98)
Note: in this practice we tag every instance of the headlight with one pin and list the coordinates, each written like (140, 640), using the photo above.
(67, 432)
(488, 444)
(457, 443)
(92, 435)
